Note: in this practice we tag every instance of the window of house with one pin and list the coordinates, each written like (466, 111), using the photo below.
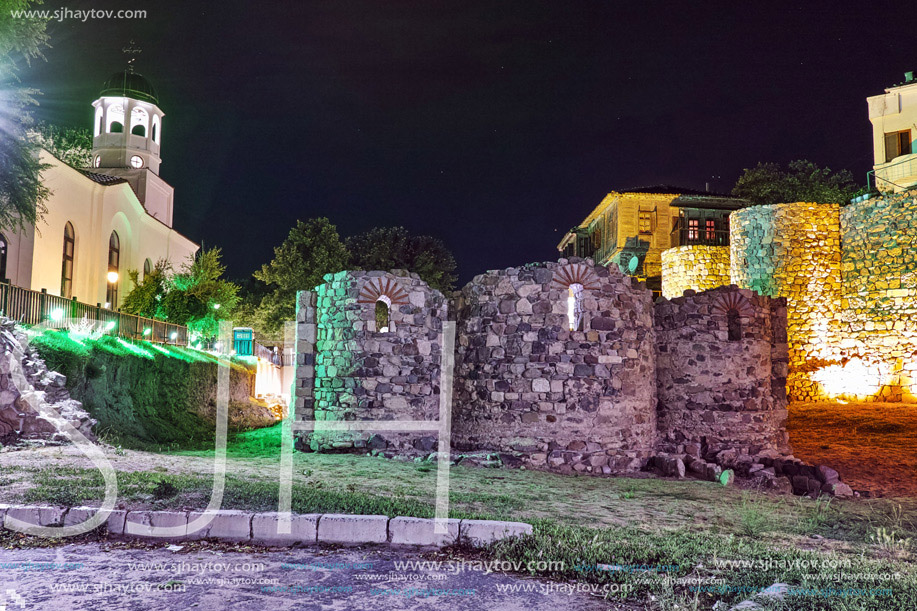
(114, 267)
(897, 144)
(147, 268)
(646, 221)
(383, 314)
(693, 229)
(66, 274)
(710, 226)
(575, 307)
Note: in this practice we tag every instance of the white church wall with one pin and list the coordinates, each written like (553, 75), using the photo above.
(94, 211)
(20, 244)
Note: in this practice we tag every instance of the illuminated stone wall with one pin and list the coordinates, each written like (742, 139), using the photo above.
(351, 367)
(794, 251)
(565, 400)
(721, 388)
(694, 267)
(879, 318)
(557, 366)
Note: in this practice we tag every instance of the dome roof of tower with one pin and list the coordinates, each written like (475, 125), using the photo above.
(130, 85)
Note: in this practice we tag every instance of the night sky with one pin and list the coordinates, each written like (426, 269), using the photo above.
(495, 126)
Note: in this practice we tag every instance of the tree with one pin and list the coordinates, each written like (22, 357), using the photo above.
(145, 299)
(801, 181)
(71, 145)
(198, 296)
(386, 248)
(22, 194)
(312, 249)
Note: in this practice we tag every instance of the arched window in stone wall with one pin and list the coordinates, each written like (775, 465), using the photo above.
(383, 314)
(383, 294)
(574, 280)
(734, 306)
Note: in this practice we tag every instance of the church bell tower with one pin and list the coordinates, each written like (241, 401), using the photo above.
(127, 136)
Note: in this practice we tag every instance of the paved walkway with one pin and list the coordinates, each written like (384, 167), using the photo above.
(99, 576)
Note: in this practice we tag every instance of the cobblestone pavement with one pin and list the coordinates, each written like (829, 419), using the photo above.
(101, 576)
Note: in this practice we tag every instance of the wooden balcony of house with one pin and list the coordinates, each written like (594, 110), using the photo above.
(685, 234)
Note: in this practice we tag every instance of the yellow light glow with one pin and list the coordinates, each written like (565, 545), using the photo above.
(857, 378)
(112, 277)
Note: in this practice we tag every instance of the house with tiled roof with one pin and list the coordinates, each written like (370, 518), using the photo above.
(631, 228)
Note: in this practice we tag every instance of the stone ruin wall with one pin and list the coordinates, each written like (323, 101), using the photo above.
(794, 251)
(694, 267)
(525, 385)
(348, 369)
(566, 400)
(850, 278)
(721, 367)
(878, 321)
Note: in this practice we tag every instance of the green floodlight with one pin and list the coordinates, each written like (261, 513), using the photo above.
(110, 325)
(147, 331)
(173, 336)
(57, 314)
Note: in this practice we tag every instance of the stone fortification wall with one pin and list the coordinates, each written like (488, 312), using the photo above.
(694, 267)
(721, 370)
(570, 395)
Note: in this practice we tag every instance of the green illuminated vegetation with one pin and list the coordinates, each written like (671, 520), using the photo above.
(196, 295)
(142, 394)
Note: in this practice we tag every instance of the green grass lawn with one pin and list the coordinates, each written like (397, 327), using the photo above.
(582, 521)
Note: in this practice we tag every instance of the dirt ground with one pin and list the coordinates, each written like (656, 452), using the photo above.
(872, 445)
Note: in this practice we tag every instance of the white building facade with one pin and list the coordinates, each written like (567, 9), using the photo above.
(105, 220)
(894, 127)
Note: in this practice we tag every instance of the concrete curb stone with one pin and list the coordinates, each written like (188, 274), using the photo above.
(303, 529)
(484, 532)
(345, 528)
(420, 531)
(261, 528)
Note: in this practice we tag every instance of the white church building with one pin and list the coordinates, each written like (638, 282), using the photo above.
(105, 220)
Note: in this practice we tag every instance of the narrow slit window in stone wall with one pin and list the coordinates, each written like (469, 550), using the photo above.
(575, 307)
(734, 325)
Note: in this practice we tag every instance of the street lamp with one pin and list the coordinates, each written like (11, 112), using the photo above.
(112, 277)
